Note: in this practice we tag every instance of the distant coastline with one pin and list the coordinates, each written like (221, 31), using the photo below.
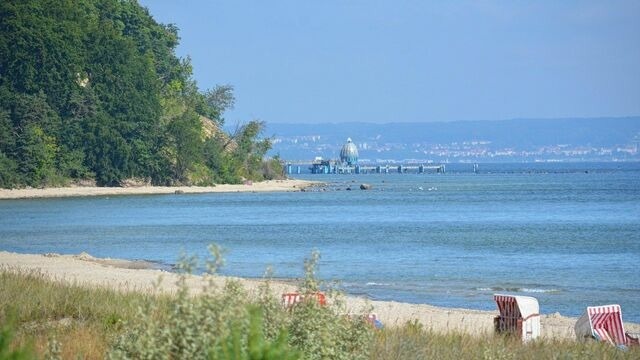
(615, 139)
(289, 185)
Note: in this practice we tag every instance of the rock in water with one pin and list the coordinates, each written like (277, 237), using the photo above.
(365, 186)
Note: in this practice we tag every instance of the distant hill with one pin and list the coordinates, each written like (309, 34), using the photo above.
(606, 139)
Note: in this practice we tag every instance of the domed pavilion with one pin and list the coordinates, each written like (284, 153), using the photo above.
(349, 153)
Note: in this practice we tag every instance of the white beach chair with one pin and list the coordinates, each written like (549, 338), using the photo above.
(604, 323)
(519, 315)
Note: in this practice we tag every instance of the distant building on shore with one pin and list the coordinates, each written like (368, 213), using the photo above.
(348, 164)
(349, 154)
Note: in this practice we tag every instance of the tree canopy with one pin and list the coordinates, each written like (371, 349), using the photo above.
(92, 89)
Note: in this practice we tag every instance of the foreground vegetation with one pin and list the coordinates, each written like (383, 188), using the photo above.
(53, 320)
(93, 90)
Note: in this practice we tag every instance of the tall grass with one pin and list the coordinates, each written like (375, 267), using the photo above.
(67, 321)
(83, 319)
(32, 297)
(413, 341)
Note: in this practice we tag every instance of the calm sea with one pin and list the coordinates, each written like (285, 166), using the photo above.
(568, 234)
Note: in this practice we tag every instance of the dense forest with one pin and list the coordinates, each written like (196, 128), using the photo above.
(93, 90)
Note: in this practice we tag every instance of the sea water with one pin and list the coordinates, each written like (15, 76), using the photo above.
(567, 234)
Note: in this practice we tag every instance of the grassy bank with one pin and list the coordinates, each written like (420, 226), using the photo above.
(72, 321)
(83, 320)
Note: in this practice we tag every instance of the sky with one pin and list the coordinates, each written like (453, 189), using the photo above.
(299, 61)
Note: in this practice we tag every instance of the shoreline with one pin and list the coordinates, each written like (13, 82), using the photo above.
(289, 185)
(140, 276)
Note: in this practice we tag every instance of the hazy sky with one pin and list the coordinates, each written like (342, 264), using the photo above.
(402, 61)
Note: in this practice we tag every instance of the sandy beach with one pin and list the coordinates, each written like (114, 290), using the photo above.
(263, 186)
(138, 276)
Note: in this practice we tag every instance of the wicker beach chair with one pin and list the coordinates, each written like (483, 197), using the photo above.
(291, 299)
(519, 315)
(604, 323)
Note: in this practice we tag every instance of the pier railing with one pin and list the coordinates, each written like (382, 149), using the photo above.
(327, 167)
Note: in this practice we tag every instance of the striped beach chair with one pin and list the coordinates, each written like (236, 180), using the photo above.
(519, 315)
(290, 299)
(604, 323)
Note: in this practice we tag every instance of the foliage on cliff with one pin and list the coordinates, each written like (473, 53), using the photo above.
(92, 89)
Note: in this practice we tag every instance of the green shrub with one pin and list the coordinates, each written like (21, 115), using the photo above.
(224, 324)
(326, 332)
(254, 346)
(7, 352)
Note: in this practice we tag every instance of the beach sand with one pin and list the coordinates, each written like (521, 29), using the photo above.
(262, 186)
(139, 276)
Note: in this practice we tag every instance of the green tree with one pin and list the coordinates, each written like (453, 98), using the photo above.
(93, 89)
(7, 138)
(8, 172)
(219, 100)
(219, 159)
(249, 154)
(39, 152)
(186, 134)
(35, 126)
(109, 154)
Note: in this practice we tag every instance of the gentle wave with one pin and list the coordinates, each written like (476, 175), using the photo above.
(546, 291)
(519, 289)
(377, 284)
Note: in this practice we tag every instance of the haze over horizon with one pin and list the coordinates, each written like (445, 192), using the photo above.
(231, 126)
(409, 61)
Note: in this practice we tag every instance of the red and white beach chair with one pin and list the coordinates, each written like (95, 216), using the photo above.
(519, 315)
(290, 299)
(604, 323)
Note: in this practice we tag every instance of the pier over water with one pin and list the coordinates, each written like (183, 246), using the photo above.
(348, 164)
(334, 167)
